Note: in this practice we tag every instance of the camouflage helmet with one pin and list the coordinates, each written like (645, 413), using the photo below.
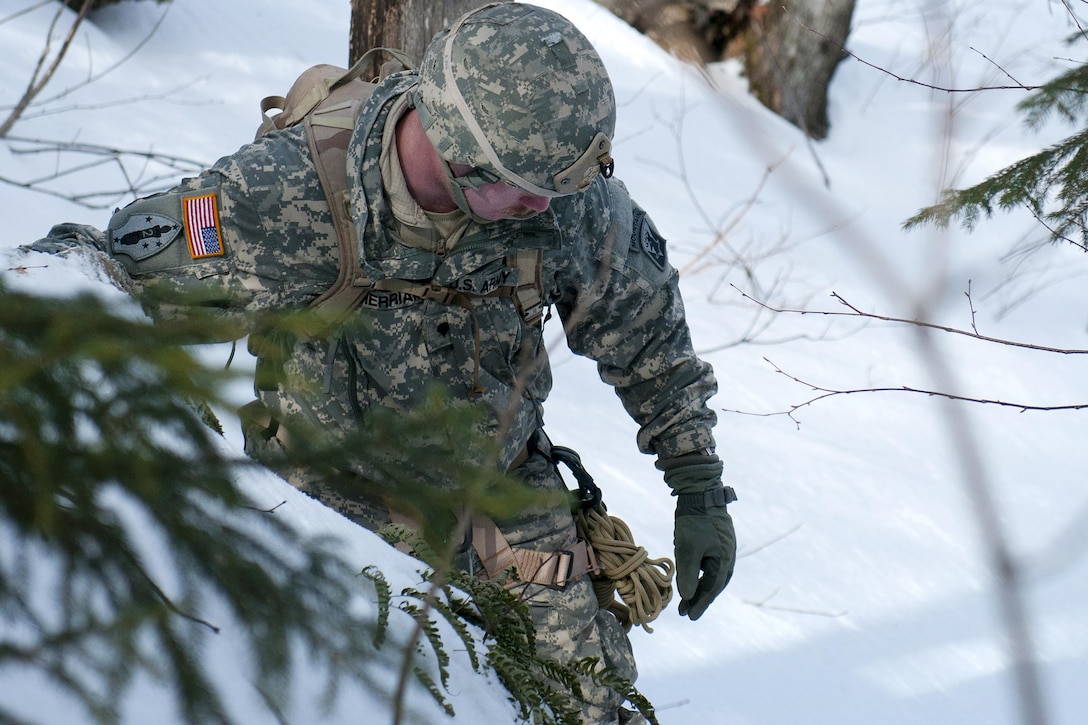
(518, 92)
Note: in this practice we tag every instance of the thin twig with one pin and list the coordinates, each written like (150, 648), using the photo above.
(855, 312)
(768, 544)
(826, 392)
(762, 604)
(43, 74)
(912, 81)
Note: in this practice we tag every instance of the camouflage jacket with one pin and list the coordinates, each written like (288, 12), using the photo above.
(254, 233)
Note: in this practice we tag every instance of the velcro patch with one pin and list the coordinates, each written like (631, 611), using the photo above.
(645, 238)
(202, 229)
(144, 235)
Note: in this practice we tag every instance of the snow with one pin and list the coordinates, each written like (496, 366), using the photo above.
(864, 590)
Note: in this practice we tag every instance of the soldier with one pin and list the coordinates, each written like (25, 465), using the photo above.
(479, 193)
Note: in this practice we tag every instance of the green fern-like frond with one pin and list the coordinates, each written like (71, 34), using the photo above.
(385, 596)
(429, 684)
(429, 629)
(608, 677)
(460, 626)
(544, 691)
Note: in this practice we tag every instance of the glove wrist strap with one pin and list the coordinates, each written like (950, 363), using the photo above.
(700, 503)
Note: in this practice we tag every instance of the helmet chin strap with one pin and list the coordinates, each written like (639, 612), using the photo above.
(458, 184)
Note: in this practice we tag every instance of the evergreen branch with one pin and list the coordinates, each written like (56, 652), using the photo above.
(1051, 184)
(1063, 96)
(1059, 170)
(98, 440)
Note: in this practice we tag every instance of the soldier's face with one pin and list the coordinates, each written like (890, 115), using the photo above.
(501, 200)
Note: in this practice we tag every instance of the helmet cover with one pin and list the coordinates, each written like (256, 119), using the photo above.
(518, 91)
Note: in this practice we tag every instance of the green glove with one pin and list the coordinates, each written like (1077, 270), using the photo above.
(703, 536)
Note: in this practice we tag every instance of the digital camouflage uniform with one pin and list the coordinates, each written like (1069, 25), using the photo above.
(267, 242)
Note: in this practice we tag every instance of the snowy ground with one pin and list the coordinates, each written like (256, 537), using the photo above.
(863, 593)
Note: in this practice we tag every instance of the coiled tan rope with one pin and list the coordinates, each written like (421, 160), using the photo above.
(644, 584)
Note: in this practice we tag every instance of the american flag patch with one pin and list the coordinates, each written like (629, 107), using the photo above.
(202, 226)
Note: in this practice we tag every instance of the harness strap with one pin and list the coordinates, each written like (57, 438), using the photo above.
(550, 569)
(328, 131)
(528, 294)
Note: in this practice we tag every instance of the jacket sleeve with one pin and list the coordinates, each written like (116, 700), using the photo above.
(251, 233)
(620, 303)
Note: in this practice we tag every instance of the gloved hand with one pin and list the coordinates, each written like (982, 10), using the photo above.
(69, 236)
(703, 538)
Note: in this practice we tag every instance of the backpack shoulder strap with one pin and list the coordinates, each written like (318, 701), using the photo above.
(328, 131)
(326, 100)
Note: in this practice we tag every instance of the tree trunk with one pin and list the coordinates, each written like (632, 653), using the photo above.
(406, 25)
(792, 52)
(671, 24)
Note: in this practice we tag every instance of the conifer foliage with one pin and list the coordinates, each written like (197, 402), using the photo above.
(98, 450)
(1052, 184)
(122, 525)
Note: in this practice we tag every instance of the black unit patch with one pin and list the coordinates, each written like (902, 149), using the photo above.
(144, 235)
(645, 238)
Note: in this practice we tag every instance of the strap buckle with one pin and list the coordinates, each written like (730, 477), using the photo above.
(564, 567)
(700, 503)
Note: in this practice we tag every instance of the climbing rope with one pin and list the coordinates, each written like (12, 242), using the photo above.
(643, 584)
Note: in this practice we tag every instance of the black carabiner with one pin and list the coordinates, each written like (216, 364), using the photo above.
(589, 493)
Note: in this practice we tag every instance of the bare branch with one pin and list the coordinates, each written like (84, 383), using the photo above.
(768, 544)
(855, 312)
(1018, 86)
(39, 79)
(164, 96)
(763, 604)
(24, 11)
(92, 77)
(971, 305)
(723, 233)
(825, 392)
(99, 155)
(1074, 18)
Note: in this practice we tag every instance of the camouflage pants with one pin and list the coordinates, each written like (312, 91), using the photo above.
(569, 623)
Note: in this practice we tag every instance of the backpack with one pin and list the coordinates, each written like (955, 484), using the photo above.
(327, 100)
